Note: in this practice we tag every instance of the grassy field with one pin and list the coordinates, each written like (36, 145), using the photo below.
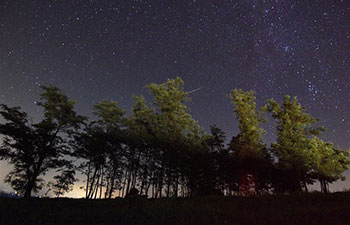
(282, 210)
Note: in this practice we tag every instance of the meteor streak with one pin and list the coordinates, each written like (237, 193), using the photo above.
(195, 90)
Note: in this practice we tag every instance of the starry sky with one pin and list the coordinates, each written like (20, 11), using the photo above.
(107, 49)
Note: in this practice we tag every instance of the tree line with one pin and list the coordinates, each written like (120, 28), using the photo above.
(161, 150)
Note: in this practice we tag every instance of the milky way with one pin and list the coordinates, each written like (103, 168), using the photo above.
(101, 49)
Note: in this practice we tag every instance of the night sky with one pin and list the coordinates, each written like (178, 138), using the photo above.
(104, 49)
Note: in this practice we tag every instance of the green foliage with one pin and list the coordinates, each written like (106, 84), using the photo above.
(329, 163)
(247, 147)
(142, 123)
(174, 119)
(109, 113)
(249, 122)
(293, 148)
(176, 132)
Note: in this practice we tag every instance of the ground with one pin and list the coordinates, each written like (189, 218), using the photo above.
(264, 210)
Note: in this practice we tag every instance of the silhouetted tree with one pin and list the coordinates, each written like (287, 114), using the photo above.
(63, 183)
(36, 148)
(142, 159)
(101, 147)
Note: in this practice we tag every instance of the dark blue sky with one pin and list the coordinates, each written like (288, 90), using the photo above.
(104, 49)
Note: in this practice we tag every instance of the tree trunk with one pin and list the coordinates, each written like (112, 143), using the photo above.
(29, 188)
(101, 183)
(305, 187)
(87, 181)
(91, 188)
(111, 185)
(128, 183)
(324, 186)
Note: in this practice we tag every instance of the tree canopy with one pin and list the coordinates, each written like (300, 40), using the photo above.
(159, 149)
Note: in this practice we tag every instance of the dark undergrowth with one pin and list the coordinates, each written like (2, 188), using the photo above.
(263, 210)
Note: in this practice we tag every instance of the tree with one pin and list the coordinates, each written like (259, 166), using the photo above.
(175, 128)
(18, 149)
(90, 147)
(112, 123)
(36, 148)
(214, 173)
(293, 147)
(248, 145)
(170, 105)
(330, 163)
(216, 140)
(249, 122)
(142, 157)
(101, 147)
